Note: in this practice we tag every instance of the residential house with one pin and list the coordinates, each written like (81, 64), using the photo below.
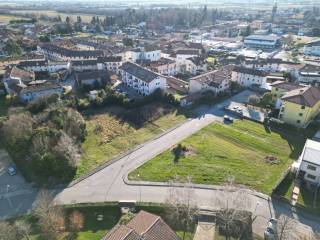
(194, 65)
(44, 66)
(267, 65)
(312, 48)
(57, 53)
(309, 74)
(144, 226)
(183, 54)
(164, 66)
(112, 63)
(216, 81)
(92, 78)
(249, 77)
(151, 53)
(33, 92)
(281, 88)
(14, 76)
(300, 106)
(141, 79)
(86, 65)
(309, 163)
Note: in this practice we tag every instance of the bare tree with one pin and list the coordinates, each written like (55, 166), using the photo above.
(51, 217)
(181, 207)
(23, 229)
(76, 221)
(284, 227)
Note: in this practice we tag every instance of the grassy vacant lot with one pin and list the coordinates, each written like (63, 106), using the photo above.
(108, 136)
(94, 229)
(219, 151)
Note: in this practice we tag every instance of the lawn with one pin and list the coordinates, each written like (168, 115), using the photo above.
(94, 229)
(219, 151)
(108, 137)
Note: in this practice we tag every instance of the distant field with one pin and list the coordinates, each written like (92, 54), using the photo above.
(84, 17)
(219, 151)
(8, 18)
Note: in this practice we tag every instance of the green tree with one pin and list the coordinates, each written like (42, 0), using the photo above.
(12, 48)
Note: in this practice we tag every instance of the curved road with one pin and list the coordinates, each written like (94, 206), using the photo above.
(108, 184)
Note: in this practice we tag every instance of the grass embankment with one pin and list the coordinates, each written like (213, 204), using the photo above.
(109, 136)
(219, 151)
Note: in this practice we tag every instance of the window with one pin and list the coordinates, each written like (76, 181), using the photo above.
(298, 121)
(312, 177)
(303, 107)
(277, 89)
(310, 167)
(300, 114)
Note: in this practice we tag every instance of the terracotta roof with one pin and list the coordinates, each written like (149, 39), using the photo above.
(24, 75)
(144, 226)
(305, 96)
(286, 85)
(122, 232)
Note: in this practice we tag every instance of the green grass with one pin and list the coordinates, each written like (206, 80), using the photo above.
(7, 18)
(94, 229)
(219, 151)
(3, 106)
(97, 151)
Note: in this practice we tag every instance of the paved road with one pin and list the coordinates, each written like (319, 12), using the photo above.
(108, 184)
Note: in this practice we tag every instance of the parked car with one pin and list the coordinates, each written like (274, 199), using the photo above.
(271, 231)
(12, 170)
(227, 118)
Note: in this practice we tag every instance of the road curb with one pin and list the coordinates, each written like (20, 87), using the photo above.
(119, 157)
(195, 186)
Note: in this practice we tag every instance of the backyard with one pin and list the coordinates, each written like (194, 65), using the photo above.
(242, 151)
(95, 229)
(109, 136)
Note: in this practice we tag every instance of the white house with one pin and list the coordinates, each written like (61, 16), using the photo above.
(165, 66)
(86, 65)
(144, 81)
(216, 81)
(312, 48)
(33, 92)
(309, 163)
(15, 76)
(43, 66)
(144, 53)
(112, 63)
(183, 54)
(57, 53)
(248, 77)
(309, 74)
(194, 65)
(267, 65)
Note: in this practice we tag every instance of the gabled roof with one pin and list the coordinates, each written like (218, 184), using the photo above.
(122, 232)
(139, 72)
(250, 71)
(288, 86)
(144, 226)
(214, 78)
(305, 96)
(311, 152)
(24, 75)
